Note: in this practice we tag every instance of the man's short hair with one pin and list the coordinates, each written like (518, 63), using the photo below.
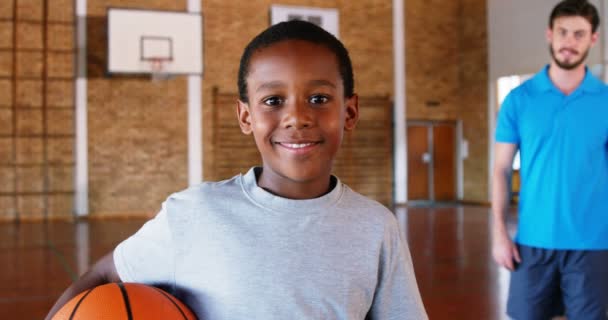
(581, 8)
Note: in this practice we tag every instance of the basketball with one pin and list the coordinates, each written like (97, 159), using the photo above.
(119, 301)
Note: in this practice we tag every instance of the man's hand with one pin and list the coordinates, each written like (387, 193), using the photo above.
(504, 250)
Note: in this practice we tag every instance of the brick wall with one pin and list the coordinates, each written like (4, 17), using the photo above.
(36, 109)
(138, 148)
(446, 79)
(474, 97)
(138, 128)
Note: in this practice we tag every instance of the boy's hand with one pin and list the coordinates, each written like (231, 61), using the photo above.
(102, 272)
(504, 250)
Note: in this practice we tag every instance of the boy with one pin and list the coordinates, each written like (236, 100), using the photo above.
(286, 240)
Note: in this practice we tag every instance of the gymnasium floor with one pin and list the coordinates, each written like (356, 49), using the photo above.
(450, 246)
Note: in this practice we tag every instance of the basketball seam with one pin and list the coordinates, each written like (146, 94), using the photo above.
(79, 302)
(125, 298)
(175, 304)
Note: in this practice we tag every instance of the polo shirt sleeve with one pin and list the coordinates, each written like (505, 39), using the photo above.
(507, 129)
(148, 256)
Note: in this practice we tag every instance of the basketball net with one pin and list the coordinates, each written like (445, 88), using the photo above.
(157, 70)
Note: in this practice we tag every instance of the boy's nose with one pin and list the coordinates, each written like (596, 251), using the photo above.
(297, 115)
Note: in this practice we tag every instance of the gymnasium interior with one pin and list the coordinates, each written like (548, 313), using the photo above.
(94, 136)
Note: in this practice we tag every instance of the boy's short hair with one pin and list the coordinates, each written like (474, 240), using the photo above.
(297, 30)
(581, 8)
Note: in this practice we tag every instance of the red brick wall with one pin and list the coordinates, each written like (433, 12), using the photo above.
(446, 49)
(36, 109)
(137, 128)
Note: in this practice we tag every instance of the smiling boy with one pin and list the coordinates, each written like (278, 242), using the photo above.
(286, 240)
(297, 111)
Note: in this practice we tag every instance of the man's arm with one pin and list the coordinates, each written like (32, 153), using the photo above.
(503, 248)
(102, 272)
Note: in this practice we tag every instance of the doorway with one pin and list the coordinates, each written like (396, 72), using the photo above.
(432, 160)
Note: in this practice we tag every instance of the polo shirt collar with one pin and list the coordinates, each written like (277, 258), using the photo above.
(543, 83)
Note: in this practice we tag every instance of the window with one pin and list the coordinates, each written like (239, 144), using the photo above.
(504, 86)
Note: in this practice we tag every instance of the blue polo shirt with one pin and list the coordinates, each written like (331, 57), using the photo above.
(563, 144)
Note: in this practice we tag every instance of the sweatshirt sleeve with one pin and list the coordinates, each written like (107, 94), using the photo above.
(148, 256)
(397, 295)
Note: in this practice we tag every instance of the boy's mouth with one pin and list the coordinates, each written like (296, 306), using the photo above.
(297, 145)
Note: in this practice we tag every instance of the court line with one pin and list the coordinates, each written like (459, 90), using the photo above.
(62, 260)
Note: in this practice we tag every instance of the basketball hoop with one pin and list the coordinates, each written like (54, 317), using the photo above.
(153, 44)
(158, 70)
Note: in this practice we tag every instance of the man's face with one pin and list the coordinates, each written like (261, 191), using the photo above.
(570, 40)
(296, 112)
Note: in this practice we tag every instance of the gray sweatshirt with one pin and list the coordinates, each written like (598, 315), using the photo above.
(231, 250)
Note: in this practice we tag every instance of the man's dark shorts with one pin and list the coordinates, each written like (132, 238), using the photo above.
(549, 283)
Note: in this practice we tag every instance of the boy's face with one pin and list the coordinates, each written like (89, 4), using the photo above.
(570, 40)
(297, 114)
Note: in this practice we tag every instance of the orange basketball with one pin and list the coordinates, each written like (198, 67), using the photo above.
(128, 301)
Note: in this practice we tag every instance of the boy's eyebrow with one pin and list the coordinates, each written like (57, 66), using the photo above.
(322, 83)
(270, 85)
(280, 84)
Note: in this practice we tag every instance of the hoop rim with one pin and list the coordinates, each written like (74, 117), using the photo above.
(157, 64)
(157, 68)
(164, 59)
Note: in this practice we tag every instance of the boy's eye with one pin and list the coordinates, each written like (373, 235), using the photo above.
(273, 101)
(318, 99)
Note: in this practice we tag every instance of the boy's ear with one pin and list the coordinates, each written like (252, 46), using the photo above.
(352, 112)
(244, 116)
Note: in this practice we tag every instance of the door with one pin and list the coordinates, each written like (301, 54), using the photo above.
(431, 161)
(418, 158)
(444, 164)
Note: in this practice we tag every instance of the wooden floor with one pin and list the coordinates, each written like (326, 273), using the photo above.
(452, 254)
(450, 246)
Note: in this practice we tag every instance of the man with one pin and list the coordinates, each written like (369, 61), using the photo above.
(558, 120)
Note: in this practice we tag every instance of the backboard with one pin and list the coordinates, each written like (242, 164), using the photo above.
(148, 41)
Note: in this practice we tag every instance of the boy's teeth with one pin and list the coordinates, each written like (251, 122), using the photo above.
(297, 145)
